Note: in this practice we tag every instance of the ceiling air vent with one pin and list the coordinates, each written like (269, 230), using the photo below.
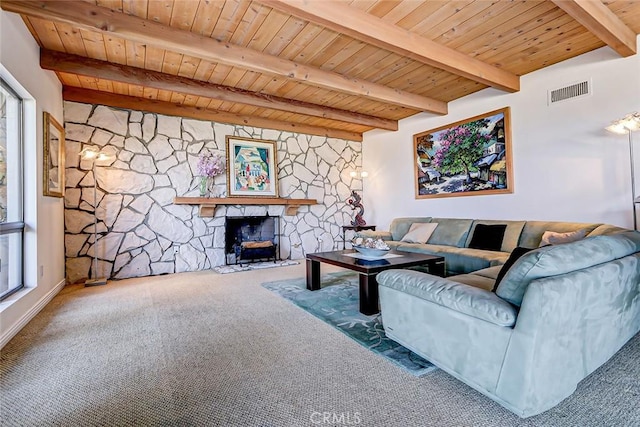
(569, 92)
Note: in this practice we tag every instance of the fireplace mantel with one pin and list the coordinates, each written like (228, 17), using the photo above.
(208, 204)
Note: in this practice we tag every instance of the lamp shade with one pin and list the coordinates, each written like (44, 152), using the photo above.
(629, 123)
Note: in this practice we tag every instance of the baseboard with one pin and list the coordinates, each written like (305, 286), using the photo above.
(26, 318)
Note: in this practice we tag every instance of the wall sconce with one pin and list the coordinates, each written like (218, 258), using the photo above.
(363, 174)
(91, 153)
(355, 202)
(95, 155)
(626, 125)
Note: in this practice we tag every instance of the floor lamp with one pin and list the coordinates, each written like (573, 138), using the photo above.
(627, 125)
(94, 155)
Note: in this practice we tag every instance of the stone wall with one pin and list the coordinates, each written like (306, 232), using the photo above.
(141, 232)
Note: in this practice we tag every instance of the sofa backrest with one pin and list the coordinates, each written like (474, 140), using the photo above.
(511, 233)
(400, 226)
(533, 230)
(450, 232)
(458, 232)
(555, 260)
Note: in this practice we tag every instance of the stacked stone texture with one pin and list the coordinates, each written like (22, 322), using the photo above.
(141, 232)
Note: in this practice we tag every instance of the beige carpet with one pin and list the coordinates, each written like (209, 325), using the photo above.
(209, 349)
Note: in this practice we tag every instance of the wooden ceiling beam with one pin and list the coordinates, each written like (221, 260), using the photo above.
(90, 17)
(602, 23)
(74, 64)
(360, 25)
(87, 96)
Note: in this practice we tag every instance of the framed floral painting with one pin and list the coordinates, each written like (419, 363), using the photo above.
(467, 158)
(251, 167)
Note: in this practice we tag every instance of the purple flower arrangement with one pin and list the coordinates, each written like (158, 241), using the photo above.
(210, 164)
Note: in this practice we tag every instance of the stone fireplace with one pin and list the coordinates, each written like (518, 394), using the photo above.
(251, 238)
(142, 232)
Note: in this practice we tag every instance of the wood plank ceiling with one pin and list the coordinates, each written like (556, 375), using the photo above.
(334, 68)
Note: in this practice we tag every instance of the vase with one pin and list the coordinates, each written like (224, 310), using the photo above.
(204, 186)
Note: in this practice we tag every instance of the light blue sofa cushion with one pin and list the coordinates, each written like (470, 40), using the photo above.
(450, 231)
(484, 279)
(491, 272)
(475, 280)
(469, 300)
(606, 229)
(511, 233)
(400, 226)
(561, 259)
(394, 244)
(533, 230)
(384, 235)
(458, 260)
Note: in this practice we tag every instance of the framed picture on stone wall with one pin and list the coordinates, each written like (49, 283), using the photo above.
(471, 157)
(251, 167)
(53, 167)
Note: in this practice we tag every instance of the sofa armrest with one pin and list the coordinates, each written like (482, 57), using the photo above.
(462, 298)
(384, 235)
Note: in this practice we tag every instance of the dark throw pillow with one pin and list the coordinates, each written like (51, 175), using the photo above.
(515, 255)
(488, 237)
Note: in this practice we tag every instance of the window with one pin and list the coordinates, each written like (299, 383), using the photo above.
(11, 212)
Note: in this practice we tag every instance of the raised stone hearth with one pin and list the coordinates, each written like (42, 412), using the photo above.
(141, 232)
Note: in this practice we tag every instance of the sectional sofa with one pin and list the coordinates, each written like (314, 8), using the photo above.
(558, 313)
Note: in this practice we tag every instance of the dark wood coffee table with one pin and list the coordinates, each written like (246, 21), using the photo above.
(368, 270)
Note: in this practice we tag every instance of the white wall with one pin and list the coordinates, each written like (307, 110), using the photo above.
(566, 166)
(44, 216)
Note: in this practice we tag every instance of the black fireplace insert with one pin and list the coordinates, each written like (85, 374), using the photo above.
(251, 239)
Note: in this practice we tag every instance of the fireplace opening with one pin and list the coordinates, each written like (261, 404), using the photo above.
(251, 239)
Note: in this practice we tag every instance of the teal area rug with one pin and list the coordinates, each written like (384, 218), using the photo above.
(337, 304)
